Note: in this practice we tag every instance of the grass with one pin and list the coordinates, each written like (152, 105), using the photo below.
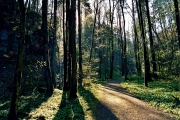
(163, 94)
(4, 104)
(35, 105)
(88, 101)
(69, 110)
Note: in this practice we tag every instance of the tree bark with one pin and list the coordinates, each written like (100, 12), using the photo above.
(68, 35)
(136, 43)
(54, 45)
(65, 83)
(121, 44)
(47, 71)
(124, 48)
(100, 48)
(18, 72)
(151, 42)
(111, 38)
(177, 19)
(147, 76)
(80, 50)
(72, 42)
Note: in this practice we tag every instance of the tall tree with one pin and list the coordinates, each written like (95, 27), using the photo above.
(120, 40)
(80, 49)
(111, 17)
(124, 47)
(72, 42)
(18, 72)
(47, 71)
(100, 43)
(147, 76)
(177, 19)
(151, 41)
(96, 7)
(68, 35)
(65, 86)
(136, 42)
(54, 45)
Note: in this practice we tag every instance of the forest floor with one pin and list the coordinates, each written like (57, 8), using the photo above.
(107, 101)
(116, 103)
(95, 101)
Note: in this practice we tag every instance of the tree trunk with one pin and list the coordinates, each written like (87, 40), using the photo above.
(121, 44)
(18, 72)
(177, 19)
(93, 30)
(47, 72)
(111, 38)
(65, 85)
(151, 42)
(100, 49)
(68, 35)
(80, 50)
(124, 50)
(136, 43)
(138, 57)
(72, 41)
(147, 76)
(54, 45)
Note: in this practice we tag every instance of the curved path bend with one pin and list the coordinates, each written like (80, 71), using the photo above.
(116, 103)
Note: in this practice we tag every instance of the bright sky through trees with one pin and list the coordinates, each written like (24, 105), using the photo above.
(127, 10)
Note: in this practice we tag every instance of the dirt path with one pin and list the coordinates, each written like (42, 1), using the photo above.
(117, 104)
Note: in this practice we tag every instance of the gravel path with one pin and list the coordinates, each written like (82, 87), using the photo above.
(117, 104)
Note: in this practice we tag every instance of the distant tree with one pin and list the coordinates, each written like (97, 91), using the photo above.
(120, 39)
(111, 17)
(125, 44)
(96, 7)
(151, 41)
(136, 42)
(100, 44)
(18, 72)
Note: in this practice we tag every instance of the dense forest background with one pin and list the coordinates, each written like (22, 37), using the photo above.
(47, 44)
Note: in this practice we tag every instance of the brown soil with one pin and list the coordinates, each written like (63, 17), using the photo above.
(116, 103)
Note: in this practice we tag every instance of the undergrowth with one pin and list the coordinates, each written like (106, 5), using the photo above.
(163, 94)
(35, 105)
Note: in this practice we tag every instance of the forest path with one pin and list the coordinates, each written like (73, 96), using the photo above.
(116, 103)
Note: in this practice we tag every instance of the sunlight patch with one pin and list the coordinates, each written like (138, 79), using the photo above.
(49, 108)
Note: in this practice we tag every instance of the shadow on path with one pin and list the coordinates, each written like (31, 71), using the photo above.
(114, 85)
(125, 106)
(100, 111)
